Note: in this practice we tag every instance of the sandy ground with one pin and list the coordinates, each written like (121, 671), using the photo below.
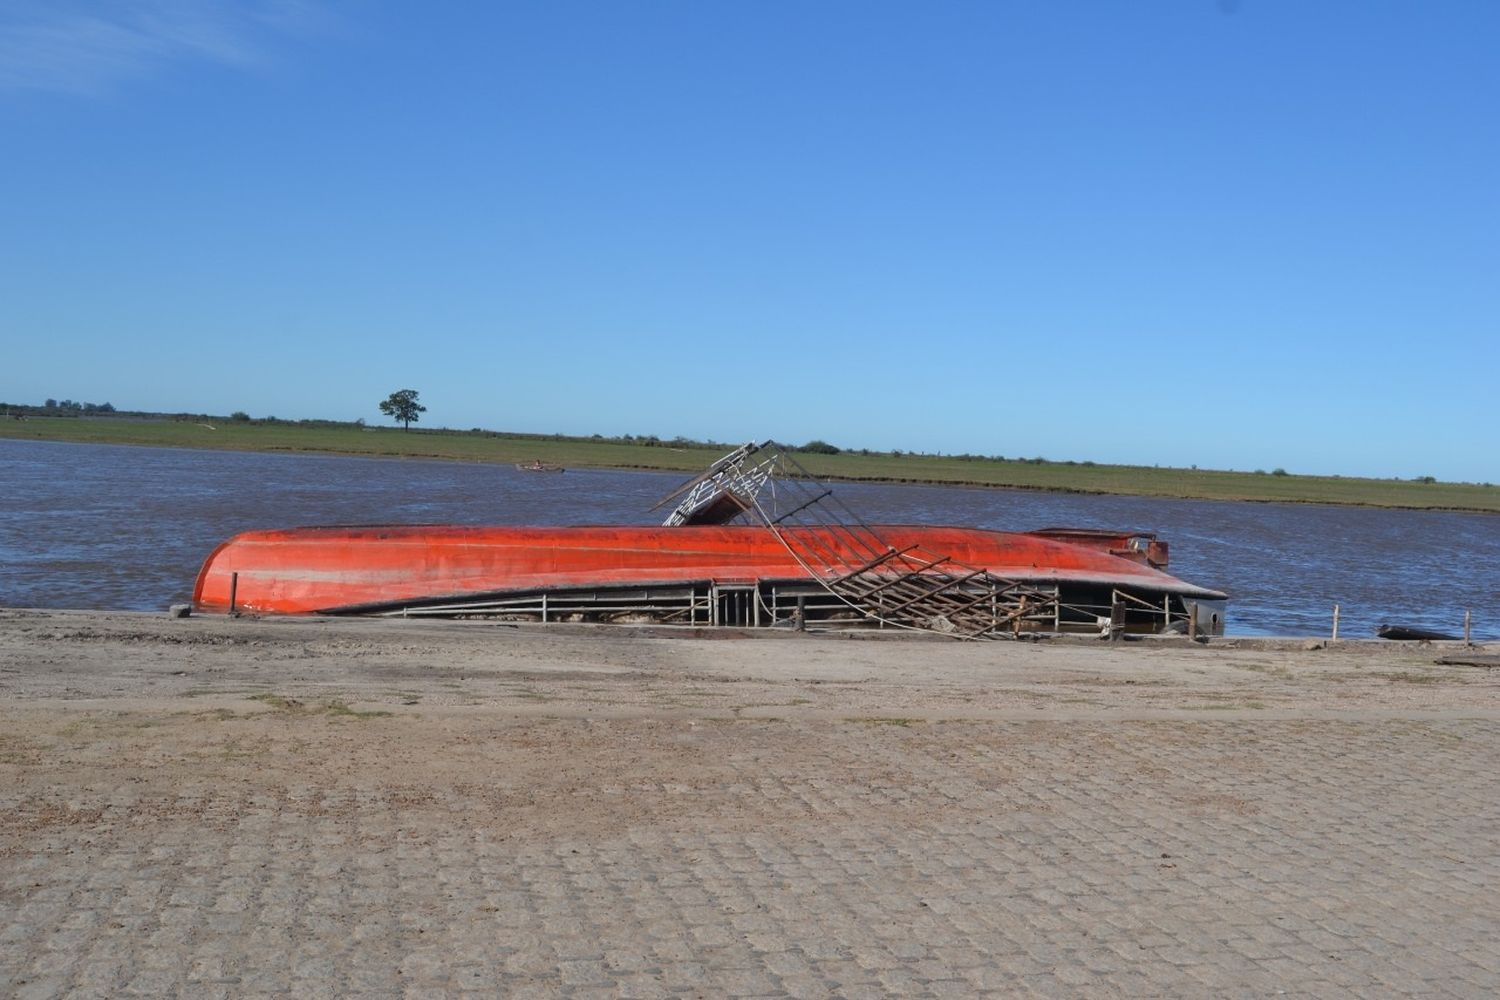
(237, 807)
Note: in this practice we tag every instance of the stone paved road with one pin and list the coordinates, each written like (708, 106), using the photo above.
(293, 846)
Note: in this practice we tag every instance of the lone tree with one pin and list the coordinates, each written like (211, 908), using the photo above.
(402, 405)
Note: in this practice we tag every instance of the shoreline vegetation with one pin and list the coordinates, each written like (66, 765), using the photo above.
(682, 455)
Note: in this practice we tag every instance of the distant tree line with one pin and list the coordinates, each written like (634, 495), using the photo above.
(72, 408)
(69, 404)
(56, 408)
(69, 408)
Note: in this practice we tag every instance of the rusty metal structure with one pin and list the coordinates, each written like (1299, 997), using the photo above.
(902, 586)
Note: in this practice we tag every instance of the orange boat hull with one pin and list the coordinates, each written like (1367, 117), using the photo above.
(346, 569)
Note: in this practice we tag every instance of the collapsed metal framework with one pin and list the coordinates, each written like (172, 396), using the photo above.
(723, 492)
(906, 587)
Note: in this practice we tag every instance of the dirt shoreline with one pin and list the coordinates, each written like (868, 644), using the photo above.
(62, 657)
(213, 806)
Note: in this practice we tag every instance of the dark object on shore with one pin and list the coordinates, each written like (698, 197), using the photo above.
(1487, 660)
(179, 611)
(1402, 632)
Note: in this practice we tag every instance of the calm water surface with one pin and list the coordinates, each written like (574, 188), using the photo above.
(102, 526)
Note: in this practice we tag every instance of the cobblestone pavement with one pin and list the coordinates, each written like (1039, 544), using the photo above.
(284, 846)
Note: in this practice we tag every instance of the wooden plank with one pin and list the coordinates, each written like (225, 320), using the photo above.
(879, 561)
(932, 594)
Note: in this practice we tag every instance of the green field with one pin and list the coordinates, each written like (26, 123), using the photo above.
(486, 446)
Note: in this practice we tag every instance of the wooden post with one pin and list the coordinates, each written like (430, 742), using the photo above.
(1193, 621)
(801, 612)
(1116, 620)
(544, 607)
(1468, 615)
(1335, 621)
(234, 587)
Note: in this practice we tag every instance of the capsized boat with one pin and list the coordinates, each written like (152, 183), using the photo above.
(696, 574)
(803, 558)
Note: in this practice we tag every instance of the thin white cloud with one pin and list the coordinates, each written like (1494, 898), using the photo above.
(73, 47)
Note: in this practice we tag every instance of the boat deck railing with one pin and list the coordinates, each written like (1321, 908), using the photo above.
(1033, 610)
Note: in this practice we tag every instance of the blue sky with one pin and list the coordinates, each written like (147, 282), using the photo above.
(1237, 235)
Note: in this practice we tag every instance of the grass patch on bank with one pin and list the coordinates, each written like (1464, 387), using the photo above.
(1413, 677)
(338, 709)
(333, 709)
(279, 702)
(110, 724)
(688, 457)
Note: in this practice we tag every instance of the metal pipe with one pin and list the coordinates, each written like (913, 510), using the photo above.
(234, 586)
(1335, 621)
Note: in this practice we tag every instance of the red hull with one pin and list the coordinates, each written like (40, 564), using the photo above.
(311, 570)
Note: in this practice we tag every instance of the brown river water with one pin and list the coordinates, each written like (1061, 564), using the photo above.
(113, 527)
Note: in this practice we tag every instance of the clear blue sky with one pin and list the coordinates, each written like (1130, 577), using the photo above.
(1238, 235)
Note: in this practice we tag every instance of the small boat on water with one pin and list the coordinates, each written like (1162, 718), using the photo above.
(539, 466)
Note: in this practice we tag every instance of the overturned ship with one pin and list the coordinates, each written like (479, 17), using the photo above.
(754, 541)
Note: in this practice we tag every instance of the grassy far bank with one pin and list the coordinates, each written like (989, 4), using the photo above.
(487, 446)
